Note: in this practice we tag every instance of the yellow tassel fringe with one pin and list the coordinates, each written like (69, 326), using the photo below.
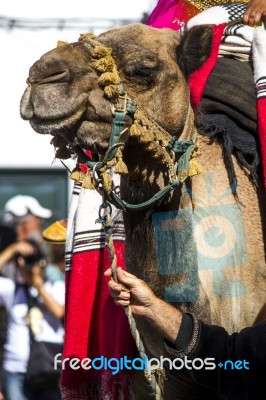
(61, 43)
(108, 78)
(111, 91)
(88, 182)
(86, 36)
(194, 167)
(107, 182)
(100, 52)
(104, 64)
(77, 174)
(120, 167)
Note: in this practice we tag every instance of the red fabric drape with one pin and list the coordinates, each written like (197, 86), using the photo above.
(94, 325)
(199, 78)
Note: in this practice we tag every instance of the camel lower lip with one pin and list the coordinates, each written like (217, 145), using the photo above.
(52, 127)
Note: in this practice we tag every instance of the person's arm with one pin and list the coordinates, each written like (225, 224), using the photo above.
(178, 328)
(201, 340)
(23, 248)
(144, 303)
(57, 309)
(255, 13)
(191, 339)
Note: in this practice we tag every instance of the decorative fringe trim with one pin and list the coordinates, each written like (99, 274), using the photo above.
(61, 43)
(107, 182)
(88, 181)
(154, 137)
(86, 36)
(111, 91)
(104, 63)
(194, 168)
(105, 388)
(108, 78)
(77, 174)
(120, 167)
(100, 52)
(135, 129)
(112, 162)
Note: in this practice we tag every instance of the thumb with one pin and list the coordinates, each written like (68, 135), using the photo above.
(126, 278)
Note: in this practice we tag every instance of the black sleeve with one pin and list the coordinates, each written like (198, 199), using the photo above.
(185, 332)
(239, 359)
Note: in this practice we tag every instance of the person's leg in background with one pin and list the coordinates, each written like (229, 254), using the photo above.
(13, 385)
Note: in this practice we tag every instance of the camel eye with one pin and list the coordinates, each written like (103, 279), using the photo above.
(132, 71)
(142, 74)
(138, 71)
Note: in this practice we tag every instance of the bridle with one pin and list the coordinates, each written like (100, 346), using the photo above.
(176, 153)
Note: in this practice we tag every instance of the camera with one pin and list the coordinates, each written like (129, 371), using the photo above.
(36, 257)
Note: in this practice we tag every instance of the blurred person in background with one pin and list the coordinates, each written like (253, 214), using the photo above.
(23, 214)
(46, 320)
(10, 248)
(26, 214)
(7, 237)
(41, 302)
(30, 293)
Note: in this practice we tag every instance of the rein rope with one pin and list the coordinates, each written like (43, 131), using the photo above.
(106, 221)
(178, 154)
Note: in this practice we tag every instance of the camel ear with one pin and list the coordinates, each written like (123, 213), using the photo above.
(194, 48)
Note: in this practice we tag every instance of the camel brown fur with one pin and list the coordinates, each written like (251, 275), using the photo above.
(64, 99)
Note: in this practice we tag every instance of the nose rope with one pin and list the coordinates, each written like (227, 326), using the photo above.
(150, 376)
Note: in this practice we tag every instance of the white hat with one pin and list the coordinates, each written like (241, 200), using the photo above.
(20, 206)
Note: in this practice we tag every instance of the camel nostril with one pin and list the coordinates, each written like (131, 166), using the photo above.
(59, 76)
(52, 75)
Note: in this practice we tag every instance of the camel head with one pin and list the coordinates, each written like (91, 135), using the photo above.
(66, 97)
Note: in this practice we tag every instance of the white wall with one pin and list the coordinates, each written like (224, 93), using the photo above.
(20, 146)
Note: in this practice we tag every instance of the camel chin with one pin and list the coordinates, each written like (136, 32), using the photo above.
(56, 126)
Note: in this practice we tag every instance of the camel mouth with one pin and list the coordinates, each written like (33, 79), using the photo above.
(58, 124)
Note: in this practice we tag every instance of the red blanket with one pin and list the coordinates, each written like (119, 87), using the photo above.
(95, 326)
(236, 40)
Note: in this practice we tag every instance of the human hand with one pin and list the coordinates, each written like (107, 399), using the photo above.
(255, 13)
(144, 303)
(23, 248)
(20, 249)
(37, 279)
(140, 297)
(1, 396)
